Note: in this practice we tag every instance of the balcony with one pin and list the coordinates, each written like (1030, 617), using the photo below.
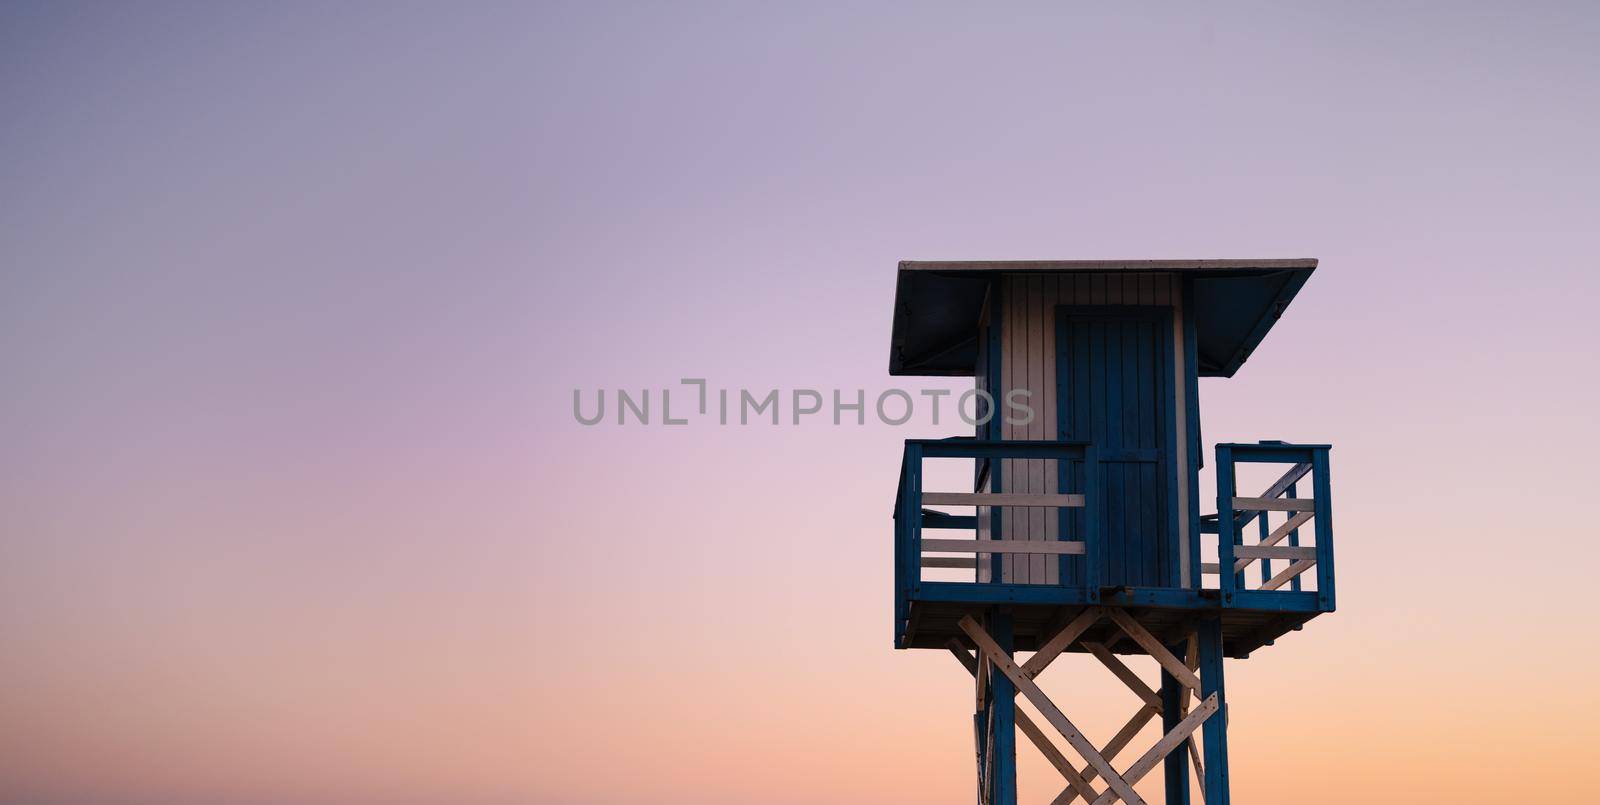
(1284, 541)
(1048, 558)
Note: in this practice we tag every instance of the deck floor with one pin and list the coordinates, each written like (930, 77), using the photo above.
(933, 624)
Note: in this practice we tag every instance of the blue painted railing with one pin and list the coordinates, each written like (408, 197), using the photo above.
(1281, 550)
(1307, 465)
(911, 519)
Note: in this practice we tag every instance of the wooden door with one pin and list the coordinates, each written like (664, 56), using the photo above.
(1114, 390)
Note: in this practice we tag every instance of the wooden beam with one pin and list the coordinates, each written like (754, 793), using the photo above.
(967, 660)
(980, 751)
(1062, 640)
(1001, 546)
(1191, 658)
(1199, 766)
(978, 755)
(982, 688)
(988, 759)
(1288, 573)
(1003, 663)
(1075, 781)
(1295, 473)
(1274, 552)
(1119, 741)
(958, 562)
(1168, 742)
(1002, 499)
(1299, 519)
(1153, 647)
(1271, 504)
(1287, 480)
(1120, 669)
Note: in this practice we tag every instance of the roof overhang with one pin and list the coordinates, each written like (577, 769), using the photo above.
(1234, 303)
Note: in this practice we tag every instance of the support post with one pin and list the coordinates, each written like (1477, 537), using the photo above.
(1324, 528)
(1227, 528)
(1176, 764)
(980, 732)
(1215, 730)
(1002, 692)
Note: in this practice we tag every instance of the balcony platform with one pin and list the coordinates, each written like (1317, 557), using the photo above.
(1257, 602)
(1038, 612)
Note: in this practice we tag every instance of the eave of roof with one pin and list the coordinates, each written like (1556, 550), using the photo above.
(1070, 266)
(938, 303)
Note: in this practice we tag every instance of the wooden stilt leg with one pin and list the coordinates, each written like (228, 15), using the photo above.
(1000, 679)
(1008, 669)
(1173, 696)
(979, 740)
(988, 755)
(1035, 734)
(1003, 694)
(1215, 734)
(1191, 658)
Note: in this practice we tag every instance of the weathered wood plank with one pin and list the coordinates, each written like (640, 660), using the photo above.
(1295, 473)
(1277, 536)
(1273, 552)
(1075, 781)
(1191, 658)
(956, 562)
(1287, 574)
(1118, 742)
(1121, 671)
(1169, 742)
(1069, 501)
(1274, 504)
(1061, 641)
(1001, 546)
(1153, 647)
(1025, 684)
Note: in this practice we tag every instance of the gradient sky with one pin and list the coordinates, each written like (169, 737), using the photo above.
(292, 303)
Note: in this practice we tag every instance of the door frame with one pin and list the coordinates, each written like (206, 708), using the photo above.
(1167, 465)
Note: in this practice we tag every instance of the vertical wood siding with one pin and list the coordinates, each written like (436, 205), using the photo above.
(1027, 358)
(984, 574)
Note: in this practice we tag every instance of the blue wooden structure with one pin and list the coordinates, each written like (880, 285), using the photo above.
(1082, 529)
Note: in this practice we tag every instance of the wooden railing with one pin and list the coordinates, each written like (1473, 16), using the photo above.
(911, 519)
(1273, 542)
(1292, 540)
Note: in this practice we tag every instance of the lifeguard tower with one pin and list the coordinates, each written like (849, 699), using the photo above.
(1083, 530)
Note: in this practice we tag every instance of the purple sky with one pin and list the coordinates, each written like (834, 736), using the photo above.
(293, 302)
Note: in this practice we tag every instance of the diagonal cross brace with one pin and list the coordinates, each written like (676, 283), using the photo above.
(1117, 743)
(1062, 640)
(1025, 684)
(1163, 747)
(1120, 670)
(1076, 781)
(1182, 733)
(1153, 647)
